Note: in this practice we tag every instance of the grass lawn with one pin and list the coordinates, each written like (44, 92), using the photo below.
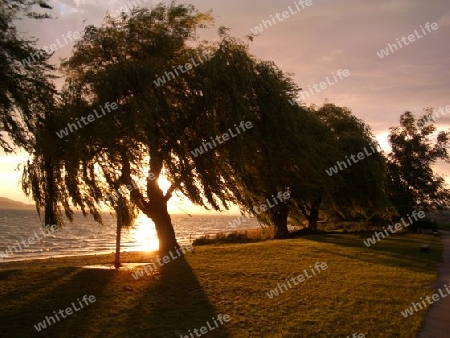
(362, 291)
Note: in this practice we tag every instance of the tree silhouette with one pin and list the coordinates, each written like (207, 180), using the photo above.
(412, 183)
(26, 92)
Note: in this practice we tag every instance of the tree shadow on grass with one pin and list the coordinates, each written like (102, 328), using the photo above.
(400, 252)
(62, 287)
(26, 293)
(169, 304)
(172, 303)
(173, 306)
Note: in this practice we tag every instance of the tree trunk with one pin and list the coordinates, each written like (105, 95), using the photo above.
(279, 219)
(155, 206)
(50, 209)
(161, 217)
(164, 228)
(313, 218)
(314, 214)
(118, 232)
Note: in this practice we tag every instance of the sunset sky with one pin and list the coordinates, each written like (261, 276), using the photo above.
(312, 44)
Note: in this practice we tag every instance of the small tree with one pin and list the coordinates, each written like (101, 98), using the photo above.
(411, 181)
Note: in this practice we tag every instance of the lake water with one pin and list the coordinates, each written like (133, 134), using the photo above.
(85, 236)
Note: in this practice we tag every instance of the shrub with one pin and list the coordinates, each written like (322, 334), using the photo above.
(220, 238)
(423, 224)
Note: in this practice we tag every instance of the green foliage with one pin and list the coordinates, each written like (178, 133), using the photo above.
(356, 192)
(282, 152)
(412, 183)
(117, 62)
(360, 189)
(26, 93)
(233, 237)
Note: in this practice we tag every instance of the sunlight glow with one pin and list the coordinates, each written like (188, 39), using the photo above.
(144, 234)
(163, 183)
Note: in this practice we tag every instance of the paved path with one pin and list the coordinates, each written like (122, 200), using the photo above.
(437, 321)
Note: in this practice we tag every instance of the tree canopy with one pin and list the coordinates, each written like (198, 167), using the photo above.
(26, 89)
(412, 183)
(158, 127)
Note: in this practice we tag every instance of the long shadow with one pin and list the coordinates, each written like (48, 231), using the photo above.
(27, 294)
(58, 296)
(185, 306)
(31, 286)
(89, 282)
(401, 254)
(173, 303)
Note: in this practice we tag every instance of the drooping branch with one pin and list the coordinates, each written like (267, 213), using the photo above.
(136, 195)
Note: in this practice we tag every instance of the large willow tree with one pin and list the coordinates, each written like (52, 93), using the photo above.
(156, 128)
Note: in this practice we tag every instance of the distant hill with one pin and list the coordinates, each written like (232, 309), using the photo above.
(6, 203)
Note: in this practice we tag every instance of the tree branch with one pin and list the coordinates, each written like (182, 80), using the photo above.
(169, 192)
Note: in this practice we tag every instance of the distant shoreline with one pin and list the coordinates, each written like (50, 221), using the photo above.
(30, 208)
(9, 204)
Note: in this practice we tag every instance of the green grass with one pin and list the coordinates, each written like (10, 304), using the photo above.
(362, 291)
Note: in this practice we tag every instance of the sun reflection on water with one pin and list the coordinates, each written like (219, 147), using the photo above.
(143, 234)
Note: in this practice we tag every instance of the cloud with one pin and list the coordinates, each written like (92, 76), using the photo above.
(332, 56)
(444, 21)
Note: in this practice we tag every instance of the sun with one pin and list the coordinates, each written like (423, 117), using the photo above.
(164, 184)
(143, 234)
